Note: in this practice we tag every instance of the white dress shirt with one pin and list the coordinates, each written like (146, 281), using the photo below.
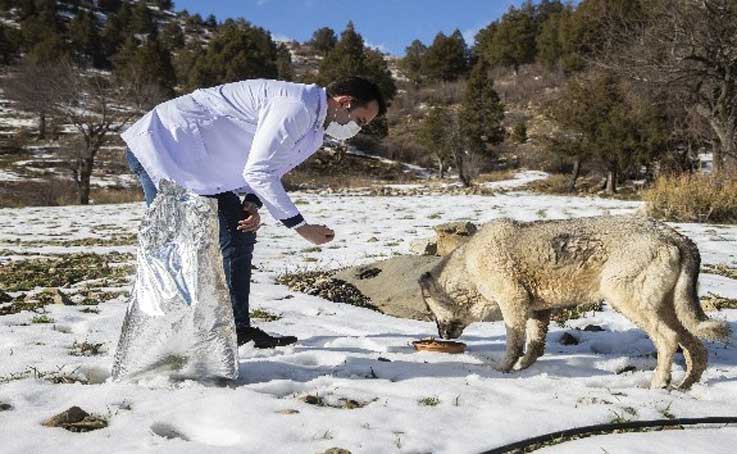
(241, 137)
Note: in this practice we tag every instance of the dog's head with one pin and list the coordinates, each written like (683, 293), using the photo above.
(451, 318)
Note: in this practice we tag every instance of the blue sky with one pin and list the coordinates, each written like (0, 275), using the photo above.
(390, 25)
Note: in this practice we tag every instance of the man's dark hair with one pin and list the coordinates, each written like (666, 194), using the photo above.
(362, 89)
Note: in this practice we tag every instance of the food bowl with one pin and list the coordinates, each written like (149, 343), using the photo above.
(434, 345)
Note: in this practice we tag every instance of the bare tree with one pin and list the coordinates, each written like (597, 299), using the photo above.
(30, 87)
(687, 48)
(467, 162)
(98, 106)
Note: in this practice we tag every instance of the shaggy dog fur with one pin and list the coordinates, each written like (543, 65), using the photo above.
(642, 268)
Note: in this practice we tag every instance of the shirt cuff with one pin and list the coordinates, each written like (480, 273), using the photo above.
(294, 221)
(253, 198)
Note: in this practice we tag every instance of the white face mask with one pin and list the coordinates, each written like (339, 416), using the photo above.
(342, 132)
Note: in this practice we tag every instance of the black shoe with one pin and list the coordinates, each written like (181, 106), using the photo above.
(261, 339)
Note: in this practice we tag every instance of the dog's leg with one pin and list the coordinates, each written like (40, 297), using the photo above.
(649, 305)
(537, 329)
(515, 310)
(695, 355)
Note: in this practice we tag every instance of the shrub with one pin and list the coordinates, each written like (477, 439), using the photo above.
(693, 198)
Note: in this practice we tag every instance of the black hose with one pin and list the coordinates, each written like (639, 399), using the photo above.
(603, 429)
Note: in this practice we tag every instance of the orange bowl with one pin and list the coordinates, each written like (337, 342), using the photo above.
(432, 345)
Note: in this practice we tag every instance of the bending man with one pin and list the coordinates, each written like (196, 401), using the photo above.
(239, 139)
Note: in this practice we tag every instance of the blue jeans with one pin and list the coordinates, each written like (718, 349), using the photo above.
(236, 246)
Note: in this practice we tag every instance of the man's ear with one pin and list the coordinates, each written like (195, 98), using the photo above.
(344, 100)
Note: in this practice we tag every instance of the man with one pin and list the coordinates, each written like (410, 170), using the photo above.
(240, 139)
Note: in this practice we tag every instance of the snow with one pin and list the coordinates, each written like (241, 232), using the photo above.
(339, 349)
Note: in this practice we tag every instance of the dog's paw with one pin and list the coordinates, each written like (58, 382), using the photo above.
(505, 367)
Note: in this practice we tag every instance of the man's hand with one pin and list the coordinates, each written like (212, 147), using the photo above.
(316, 234)
(252, 220)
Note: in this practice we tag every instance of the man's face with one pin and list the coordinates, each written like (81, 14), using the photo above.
(350, 110)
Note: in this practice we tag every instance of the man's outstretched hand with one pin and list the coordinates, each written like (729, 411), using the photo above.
(316, 234)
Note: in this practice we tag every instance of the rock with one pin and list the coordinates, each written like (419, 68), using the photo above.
(288, 411)
(74, 419)
(626, 369)
(55, 296)
(568, 339)
(452, 235)
(394, 291)
(594, 328)
(424, 246)
(5, 406)
(5, 298)
(336, 451)
(367, 272)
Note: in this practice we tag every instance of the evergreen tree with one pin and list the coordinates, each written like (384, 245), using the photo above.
(483, 111)
(284, 62)
(412, 62)
(447, 58)
(432, 135)
(550, 41)
(346, 59)
(376, 69)
(323, 40)
(50, 49)
(39, 23)
(513, 43)
(85, 39)
(116, 30)
(165, 5)
(238, 51)
(9, 44)
(110, 6)
(145, 64)
(603, 121)
(142, 20)
(172, 36)
(483, 40)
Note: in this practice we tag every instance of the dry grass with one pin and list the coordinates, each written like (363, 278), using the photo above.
(495, 175)
(59, 192)
(693, 198)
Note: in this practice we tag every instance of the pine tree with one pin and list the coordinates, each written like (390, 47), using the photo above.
(110, 6)
(142, 20)
(9, 45)
(172, 36)
(447, 58)
(482, 112)
(85, 39)
(145, 64)
(432, 135)
(284, 67)
(513, 43)
(323, 40)
(346, 59)
(412, 62)
(116, 30)
(238, 51)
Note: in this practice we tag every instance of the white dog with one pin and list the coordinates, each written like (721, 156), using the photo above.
(644, 269)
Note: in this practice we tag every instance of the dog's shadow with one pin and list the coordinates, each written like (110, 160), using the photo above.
(579, 361)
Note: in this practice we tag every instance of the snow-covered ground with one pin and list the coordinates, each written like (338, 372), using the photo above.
(414, 402)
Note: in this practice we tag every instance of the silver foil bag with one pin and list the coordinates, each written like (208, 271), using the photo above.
(179, 320)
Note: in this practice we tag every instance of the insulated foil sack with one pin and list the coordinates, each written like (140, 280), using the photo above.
(179, 320)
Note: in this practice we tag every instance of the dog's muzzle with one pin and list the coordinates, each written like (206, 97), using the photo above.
(452, 330)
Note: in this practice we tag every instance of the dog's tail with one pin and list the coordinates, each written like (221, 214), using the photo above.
(686, 298)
